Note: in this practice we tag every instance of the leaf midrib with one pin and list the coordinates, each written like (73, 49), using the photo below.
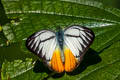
(93, 5)
(64, 15)
(22, 72)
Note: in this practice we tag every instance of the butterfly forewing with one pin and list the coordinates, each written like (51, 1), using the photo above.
(42, 43)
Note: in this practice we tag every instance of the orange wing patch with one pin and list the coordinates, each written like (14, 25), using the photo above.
(69, 64)
(56, 62)
(70, 60)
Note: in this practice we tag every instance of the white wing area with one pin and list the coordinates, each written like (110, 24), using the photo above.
(42, 43)
(78, 39)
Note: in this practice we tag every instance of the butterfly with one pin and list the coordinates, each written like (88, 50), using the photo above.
(63, 50)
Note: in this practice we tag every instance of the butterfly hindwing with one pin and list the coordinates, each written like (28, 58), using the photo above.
(70, 60)
(56, 61)
(77, 40)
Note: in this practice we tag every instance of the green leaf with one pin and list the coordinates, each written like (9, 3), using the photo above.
(102, 60)
(18, 70)
(105, 36)
(36, 15)
(13, 52)
(3, 38)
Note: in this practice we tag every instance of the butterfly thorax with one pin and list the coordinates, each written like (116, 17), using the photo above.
(60, 39)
